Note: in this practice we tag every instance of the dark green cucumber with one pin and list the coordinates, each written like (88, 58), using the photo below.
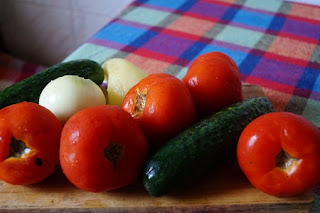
(205, 145)
(30, 88)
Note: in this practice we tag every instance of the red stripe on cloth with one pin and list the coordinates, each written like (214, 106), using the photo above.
(155, 55)
(179, 34)
(222, 2)
(295, 61)
(314, 65)
(203, 17)
(271, 84)
(303, 19)
(302, 92)
(293, 36)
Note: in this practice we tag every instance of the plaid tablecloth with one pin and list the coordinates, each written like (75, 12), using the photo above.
(13, 70)
(275, 44)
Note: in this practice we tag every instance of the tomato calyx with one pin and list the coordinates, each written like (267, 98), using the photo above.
(140, 102)
(113, 153)
(285, 161)
(18, 148)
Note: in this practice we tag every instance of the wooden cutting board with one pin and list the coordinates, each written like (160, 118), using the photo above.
(224, 190)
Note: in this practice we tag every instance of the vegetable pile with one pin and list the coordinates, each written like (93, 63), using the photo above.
(107, 126)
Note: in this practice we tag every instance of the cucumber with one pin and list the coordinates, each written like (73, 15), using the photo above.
(200, 148)
(30, 88)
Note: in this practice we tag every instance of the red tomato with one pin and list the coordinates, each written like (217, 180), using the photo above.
(102, 148)
(214, 81)
(163, 106)
(29, 143)
(279, 154)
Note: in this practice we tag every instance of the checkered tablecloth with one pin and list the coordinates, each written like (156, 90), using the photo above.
(13, 70)
(275, 44)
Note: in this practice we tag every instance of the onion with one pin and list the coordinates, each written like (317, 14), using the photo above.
(121, 75)
(69, 94)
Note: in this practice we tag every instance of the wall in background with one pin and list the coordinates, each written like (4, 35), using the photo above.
(46, 31)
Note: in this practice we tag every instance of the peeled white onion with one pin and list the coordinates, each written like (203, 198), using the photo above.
(69, 94)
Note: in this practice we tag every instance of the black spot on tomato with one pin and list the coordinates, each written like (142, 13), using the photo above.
(38, 161)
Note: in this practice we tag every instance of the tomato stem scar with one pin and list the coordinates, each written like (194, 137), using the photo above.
(140, 102)
(113, 153)
(18, 148)
(284, 160)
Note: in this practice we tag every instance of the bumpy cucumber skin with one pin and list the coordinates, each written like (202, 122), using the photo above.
(200, 148)
(30, 88)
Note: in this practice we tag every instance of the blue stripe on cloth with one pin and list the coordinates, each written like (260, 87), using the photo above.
(187, 5)
(119, 33)
(192, 51)
(253, 19)
(317, 84)
(144, 38)
(249, 63)
(173, 4)
(277, 23)
(230, 14)
(308, 79)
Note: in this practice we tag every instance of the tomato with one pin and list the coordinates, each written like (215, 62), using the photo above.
(214, 81)
(102, 148)
(29, 143)
(280, 154)
(163, 106)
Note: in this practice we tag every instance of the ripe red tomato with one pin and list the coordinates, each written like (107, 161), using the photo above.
(102, 148)
(279, 154)
(214, 81)
(29, 143)
(163, 106)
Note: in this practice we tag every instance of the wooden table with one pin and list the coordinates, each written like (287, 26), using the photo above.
(224, 190)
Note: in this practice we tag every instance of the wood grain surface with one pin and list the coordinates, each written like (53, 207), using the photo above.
(225, 189)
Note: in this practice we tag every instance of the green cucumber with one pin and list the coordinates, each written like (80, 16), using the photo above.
(30, 88)
(205, 145)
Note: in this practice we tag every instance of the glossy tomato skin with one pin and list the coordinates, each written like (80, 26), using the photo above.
(102, 148)
(34, 129)
(167, 108)
(261, 149)
(214, 81)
